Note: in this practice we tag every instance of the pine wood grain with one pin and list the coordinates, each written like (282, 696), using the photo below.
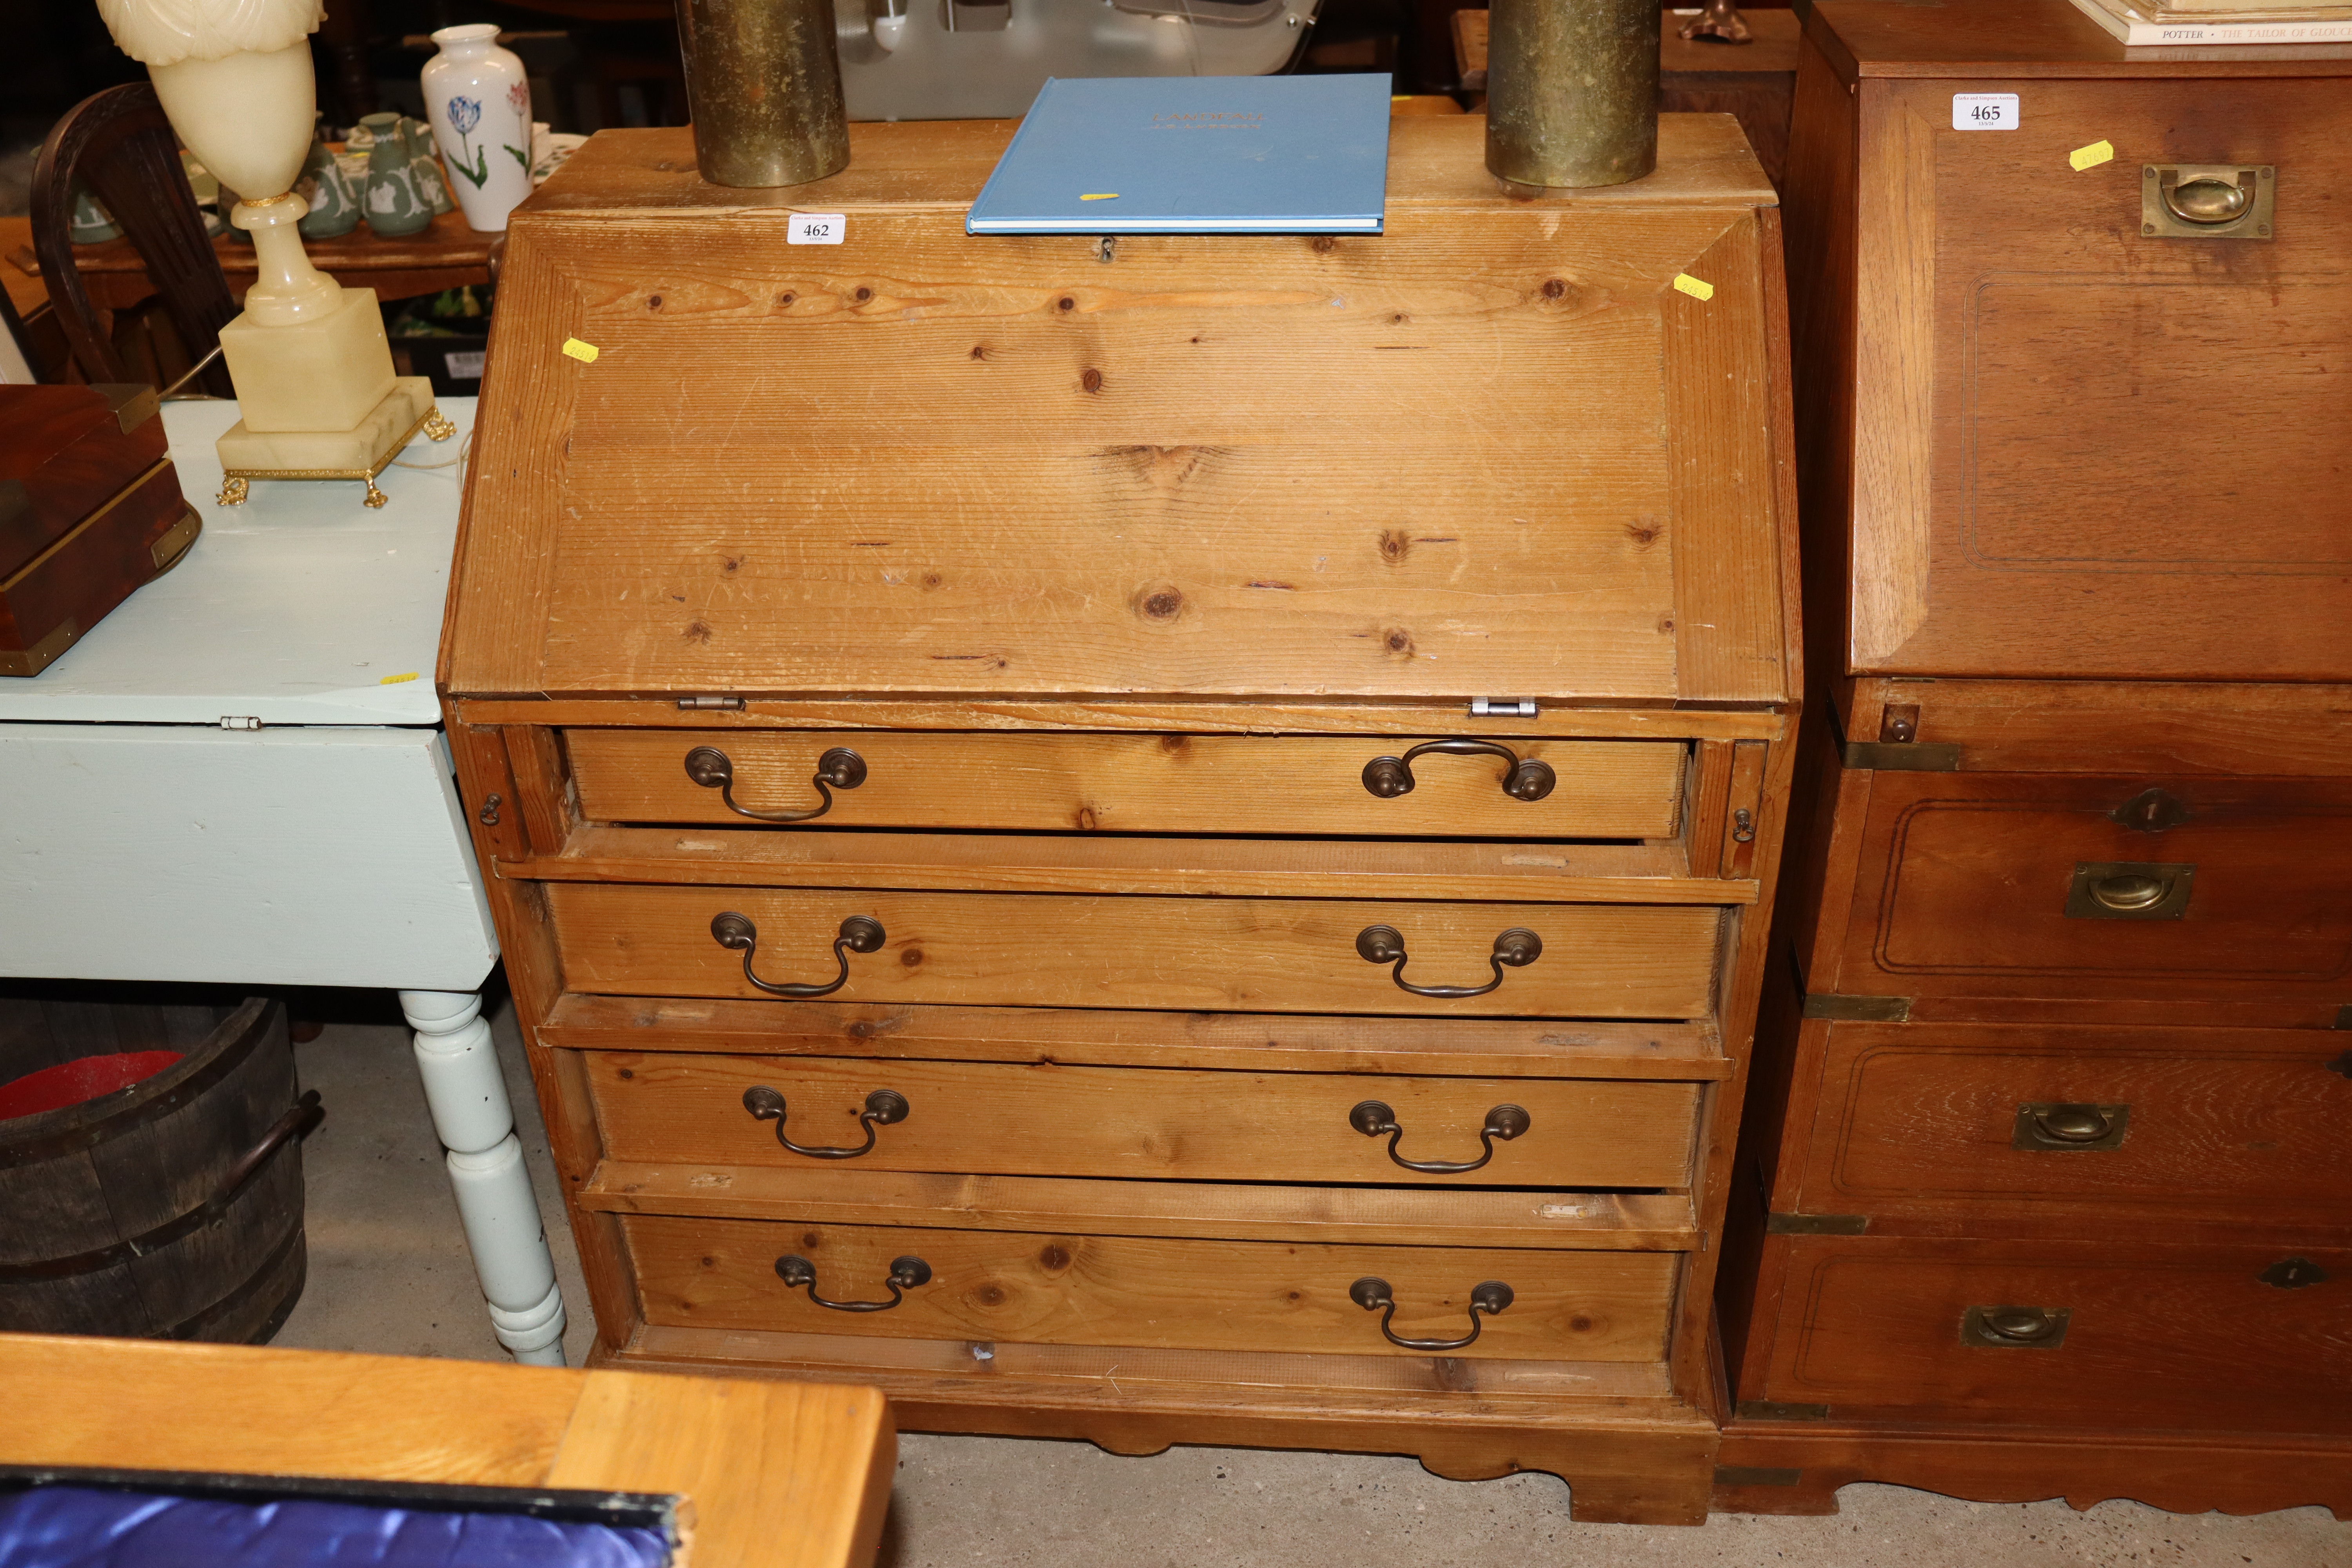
(1262, 1042)
(1628, 873)
(1114, 783)
(1065, 1288)
(1269, 716)
(782, 1473)
(741, 1453)
(1642, 1222)
(1025, 949)
(1134, 1123)
(1266, 404)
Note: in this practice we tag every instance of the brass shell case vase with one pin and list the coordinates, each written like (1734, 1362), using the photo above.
(1572, 91)
(763, 79)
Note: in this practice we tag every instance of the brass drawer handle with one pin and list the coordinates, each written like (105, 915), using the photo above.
(906, 1273)
(2206, 199)
(1517, 947)
(1529, 779)
(2015, 1328)
(839, 768)
(884, 1108)
(2070, 1128)
(858, 934)
(2129, 890)
(1372, 1295)
(1372, 1118)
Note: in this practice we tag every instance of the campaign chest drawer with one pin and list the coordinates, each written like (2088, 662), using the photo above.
(1155, 1292)
(2057, 1333)
(1046, 951)
(1502, 787)
(1054, 1120)
(2047, 885)
(1967, 1123)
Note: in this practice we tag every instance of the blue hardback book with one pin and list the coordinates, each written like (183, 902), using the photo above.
(1203, 154)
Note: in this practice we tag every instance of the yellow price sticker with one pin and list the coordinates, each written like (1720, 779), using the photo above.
(2091, 157)
(584, 353)
(1697, 288)
(1101, 196)
(397, 679)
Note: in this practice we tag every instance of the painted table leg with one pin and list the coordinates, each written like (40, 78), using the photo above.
(471, 1114)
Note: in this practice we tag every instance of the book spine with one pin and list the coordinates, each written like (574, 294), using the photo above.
(2134, 33)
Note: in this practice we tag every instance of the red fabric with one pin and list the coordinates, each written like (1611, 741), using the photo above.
(71, 1083)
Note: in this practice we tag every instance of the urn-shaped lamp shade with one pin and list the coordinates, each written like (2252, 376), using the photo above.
(247, 115)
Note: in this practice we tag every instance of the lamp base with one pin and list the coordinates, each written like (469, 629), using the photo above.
(358, 454)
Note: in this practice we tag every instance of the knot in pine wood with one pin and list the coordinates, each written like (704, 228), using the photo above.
(1091, 380)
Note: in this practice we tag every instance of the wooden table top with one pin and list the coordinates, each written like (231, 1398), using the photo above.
(448, 254)
(780, 1475)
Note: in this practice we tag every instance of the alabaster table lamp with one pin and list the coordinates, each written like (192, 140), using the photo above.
(309, 357)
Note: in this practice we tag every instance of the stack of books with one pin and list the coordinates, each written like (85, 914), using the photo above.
(2137, 23)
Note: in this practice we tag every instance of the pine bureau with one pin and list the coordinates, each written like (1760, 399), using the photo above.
(2044, 1177)
(1161, 842)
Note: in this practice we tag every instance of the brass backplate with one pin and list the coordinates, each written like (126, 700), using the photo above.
(1816, 1224)
(1859, 1009)
(2158, 220)
(2122, 891)
(2036, 1119)
(1908, 757)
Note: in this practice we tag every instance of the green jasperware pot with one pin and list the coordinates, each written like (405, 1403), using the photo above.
(394, 204)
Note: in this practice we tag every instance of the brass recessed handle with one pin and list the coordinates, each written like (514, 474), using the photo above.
(906, 1273)
(884, 1108)
(1374, 1294)
(1372, 1117)
(2130, 890)
(2070, 1127)
(1516, 947)
(1526, 779)
(2015, 1328)
(839, 768)
(858, 934)
(2208, 198)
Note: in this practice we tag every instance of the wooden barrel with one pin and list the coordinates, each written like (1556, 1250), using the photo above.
(169, 1209)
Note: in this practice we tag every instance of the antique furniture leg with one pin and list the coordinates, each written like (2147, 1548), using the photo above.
(473, 1119)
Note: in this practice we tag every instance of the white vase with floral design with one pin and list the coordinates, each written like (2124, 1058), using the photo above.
(478, 100)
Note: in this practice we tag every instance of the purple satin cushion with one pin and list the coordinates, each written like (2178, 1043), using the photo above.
(81, 1527)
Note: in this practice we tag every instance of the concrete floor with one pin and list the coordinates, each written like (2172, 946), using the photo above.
(389, 1273)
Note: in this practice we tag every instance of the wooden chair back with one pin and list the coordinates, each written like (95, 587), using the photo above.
(119, 143)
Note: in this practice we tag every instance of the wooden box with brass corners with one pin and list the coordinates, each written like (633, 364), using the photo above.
(91, 509)
(1161, 846)
(2042, 1183)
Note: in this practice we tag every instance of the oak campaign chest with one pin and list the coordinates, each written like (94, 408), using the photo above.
(1161, 841)
(2044, 1181)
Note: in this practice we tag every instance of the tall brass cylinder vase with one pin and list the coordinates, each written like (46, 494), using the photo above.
(1572, 91)
(763, 78)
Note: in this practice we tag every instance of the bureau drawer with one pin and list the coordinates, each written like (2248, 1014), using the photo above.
(1026, 950)
(1151, 1291)
(2110, 1335)
(1960, 1120)
(1356, 786)
(1051, 1120)
(2040, 885)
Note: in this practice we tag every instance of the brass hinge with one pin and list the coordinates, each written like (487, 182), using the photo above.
(716, 704)
(1902, 757)
(1816, 1224)
(1766, 1410)
(1860, 1009)
(1755, 1476)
